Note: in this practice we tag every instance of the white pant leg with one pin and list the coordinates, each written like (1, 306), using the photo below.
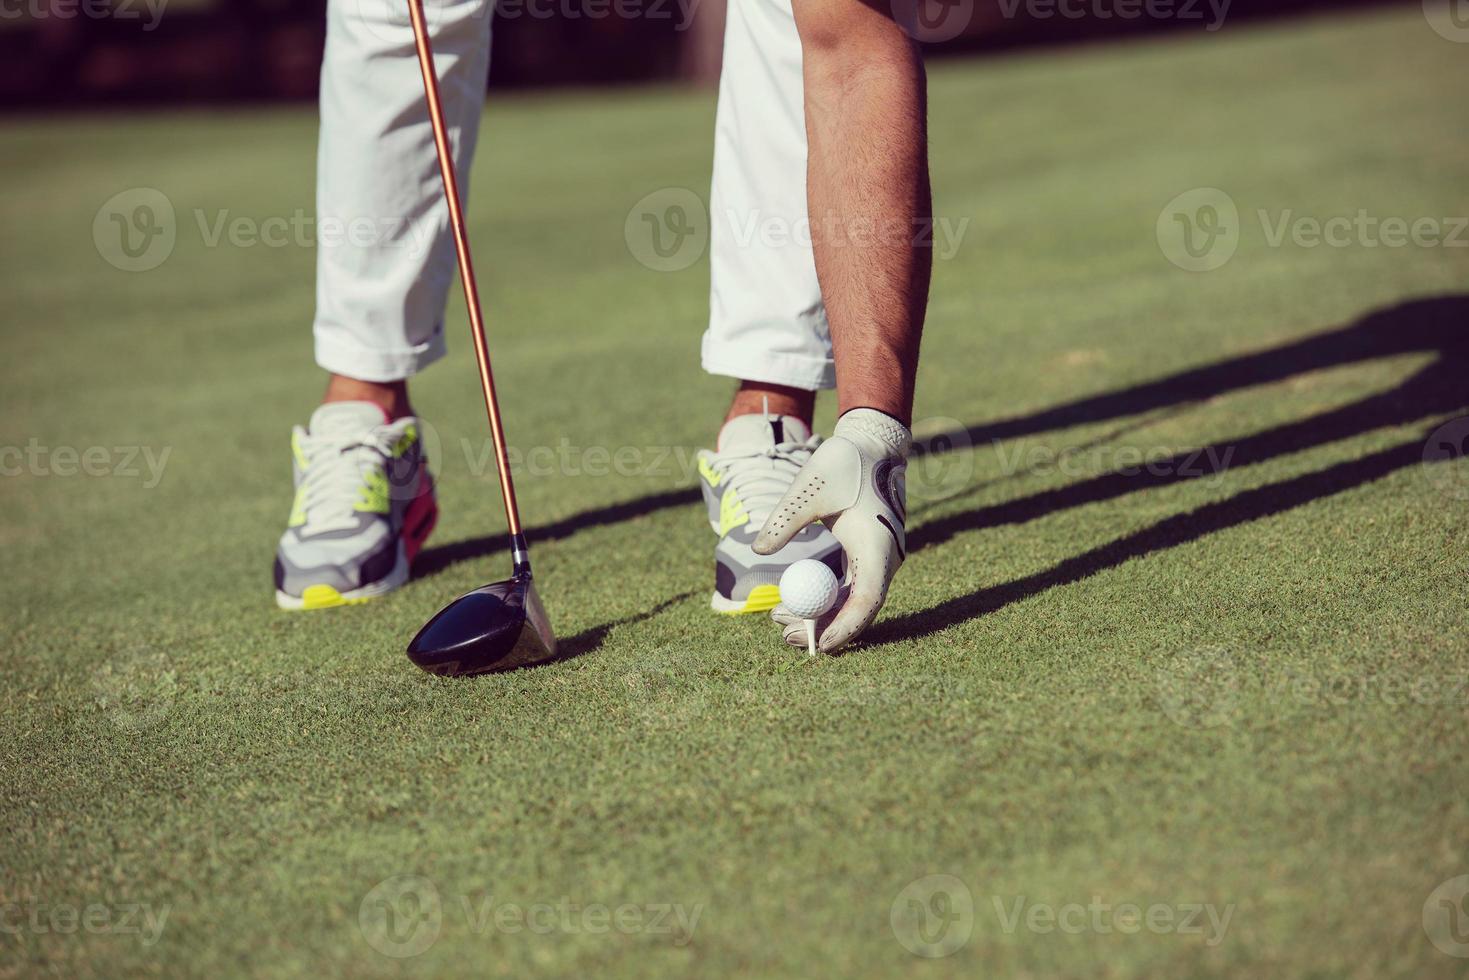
(381, 287)
(766, 319)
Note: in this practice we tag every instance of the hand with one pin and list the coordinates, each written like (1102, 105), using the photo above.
(854, 484)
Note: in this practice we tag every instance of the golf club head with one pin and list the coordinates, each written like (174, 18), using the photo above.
(500, 626)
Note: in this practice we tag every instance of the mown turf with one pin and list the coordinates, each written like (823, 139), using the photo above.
(1239, 687)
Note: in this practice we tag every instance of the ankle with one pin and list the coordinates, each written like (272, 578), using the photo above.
(757, 397)
(390, 396)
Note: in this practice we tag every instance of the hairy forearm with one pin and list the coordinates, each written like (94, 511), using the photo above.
(869, 198)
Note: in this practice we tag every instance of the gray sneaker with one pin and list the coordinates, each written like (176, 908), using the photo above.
(364, 506)
(756, 462)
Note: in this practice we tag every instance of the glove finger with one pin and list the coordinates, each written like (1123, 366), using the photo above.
(796, 510)
(872, 560)
(793, 627)
(795, 634)
(827, 484)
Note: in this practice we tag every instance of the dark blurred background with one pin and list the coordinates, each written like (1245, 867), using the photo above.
(82, 53)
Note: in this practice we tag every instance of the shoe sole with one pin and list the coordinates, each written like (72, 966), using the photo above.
(418, 523)
(762, 598)
(326, 597)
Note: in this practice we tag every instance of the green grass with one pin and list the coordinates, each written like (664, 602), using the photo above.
(1245, 690)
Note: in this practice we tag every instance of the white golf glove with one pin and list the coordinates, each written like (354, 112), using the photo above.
(854, 484)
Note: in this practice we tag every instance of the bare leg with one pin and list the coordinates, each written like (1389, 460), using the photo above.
(755, 397)
(868, 190)
(390, 396)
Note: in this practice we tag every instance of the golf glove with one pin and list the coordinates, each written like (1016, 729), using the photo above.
(854, 484)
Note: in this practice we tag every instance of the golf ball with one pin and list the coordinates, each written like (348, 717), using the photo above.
(808, 588)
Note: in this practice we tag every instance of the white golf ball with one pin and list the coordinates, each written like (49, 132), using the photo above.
(808, 588)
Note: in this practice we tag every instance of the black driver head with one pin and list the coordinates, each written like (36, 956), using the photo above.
(500, 626)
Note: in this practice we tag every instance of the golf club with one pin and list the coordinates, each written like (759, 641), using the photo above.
(503, 625)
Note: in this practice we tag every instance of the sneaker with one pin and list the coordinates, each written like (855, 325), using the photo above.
(364, 506)
(756, 462)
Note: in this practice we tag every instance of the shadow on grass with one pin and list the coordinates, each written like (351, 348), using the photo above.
(434, 560)
(1439, 389)
(589, 640)
(1437, 325)
(1248, 506)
